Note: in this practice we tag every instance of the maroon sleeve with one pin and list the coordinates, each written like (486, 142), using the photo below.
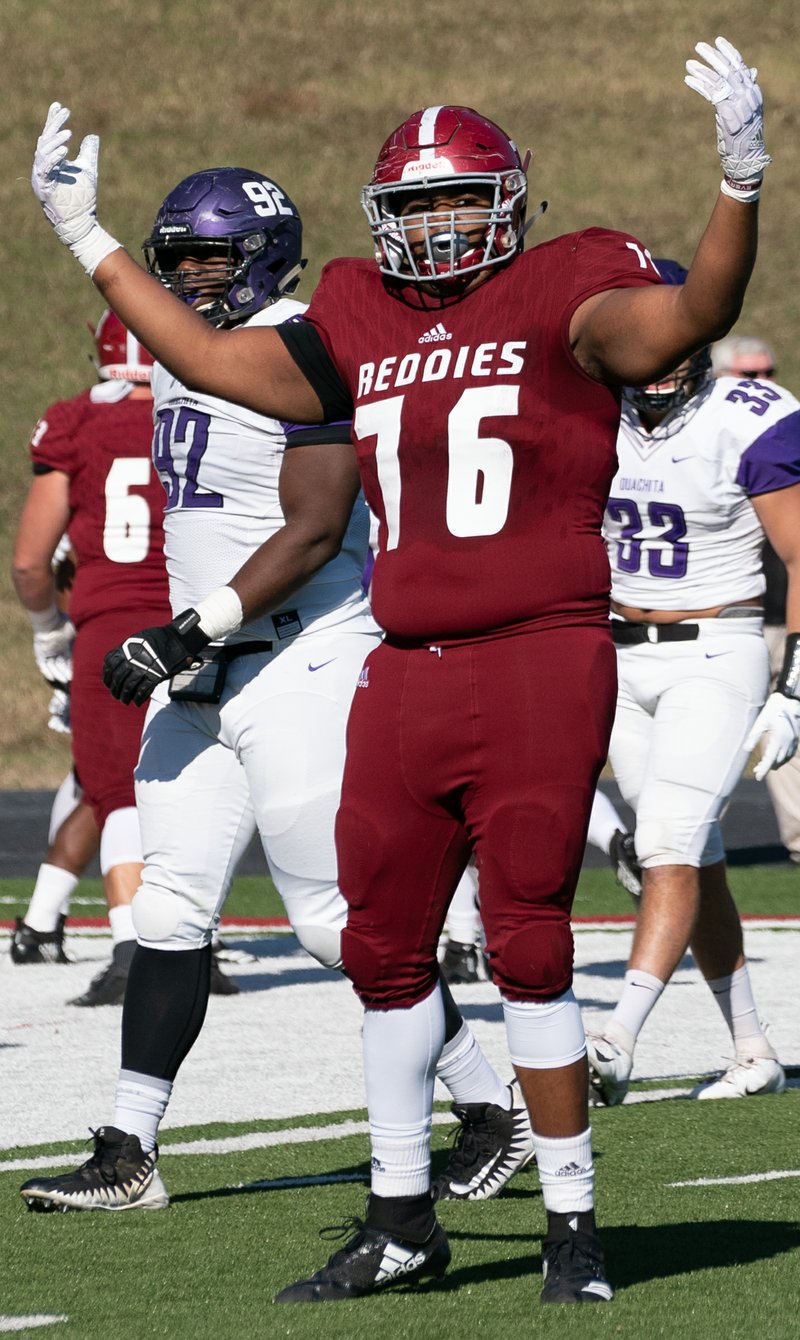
(608, 260)
(54, 442)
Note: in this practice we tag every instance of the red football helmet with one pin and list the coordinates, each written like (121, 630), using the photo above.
(454, 146)
(120, 356)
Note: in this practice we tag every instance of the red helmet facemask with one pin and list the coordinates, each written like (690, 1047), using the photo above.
(120, 356)
(451, 147)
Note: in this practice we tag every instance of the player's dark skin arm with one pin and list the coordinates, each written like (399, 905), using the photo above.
(318, 486)
(779, 514)
(633, 336)
(249, 367)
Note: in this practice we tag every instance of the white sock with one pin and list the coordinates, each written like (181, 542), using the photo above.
(566, 1172)
(122, 927)
(734, 995)
(50, 897)
(401, 1048)
(463, 922)
(639, 995)
(466, 1073)
(603, 822)
(141, 1103)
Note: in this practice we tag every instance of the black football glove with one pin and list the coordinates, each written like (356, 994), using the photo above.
(132, 671)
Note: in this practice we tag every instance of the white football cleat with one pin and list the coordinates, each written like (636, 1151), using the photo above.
(610, 1067)
(744, 1078)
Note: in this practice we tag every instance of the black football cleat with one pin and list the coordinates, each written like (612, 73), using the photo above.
(30, 946)
(625, 864)
(573, 1264)
(460, 964)
(118, 1176)
(373, 1259)
(492, 1145)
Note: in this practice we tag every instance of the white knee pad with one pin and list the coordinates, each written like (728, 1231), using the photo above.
(120, 841)
(165, 920)
(322, 943)
(317, 912)
(675, 842)
(544, 1035)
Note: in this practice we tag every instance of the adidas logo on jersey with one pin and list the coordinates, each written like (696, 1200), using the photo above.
(363, 678)
(435, 335)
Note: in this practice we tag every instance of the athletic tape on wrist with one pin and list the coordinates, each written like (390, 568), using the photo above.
(789, 680)
(93, 248)
(220, 613)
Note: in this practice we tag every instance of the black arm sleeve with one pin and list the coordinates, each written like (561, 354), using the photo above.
(310, 434)
(307, 349)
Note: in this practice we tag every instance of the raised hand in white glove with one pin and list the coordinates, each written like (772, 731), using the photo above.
(52, 650)
(731, 87)
(67, 191)
(779, 720)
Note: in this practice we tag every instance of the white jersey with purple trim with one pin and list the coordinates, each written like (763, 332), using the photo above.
(219, 464)
(679, 526)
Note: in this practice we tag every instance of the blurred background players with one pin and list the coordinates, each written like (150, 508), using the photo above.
(72, 841)
(747, 357)
(706, 468)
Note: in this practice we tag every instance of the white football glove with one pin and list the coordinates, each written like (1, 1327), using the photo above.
(67, 191)
(779, 720)
(53, 653)
(730, 86)
(58, 712)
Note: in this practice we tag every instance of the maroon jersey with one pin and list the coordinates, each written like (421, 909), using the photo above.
(116, 503)
(484, 449)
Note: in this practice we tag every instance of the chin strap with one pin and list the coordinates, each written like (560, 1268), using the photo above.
(536, 215)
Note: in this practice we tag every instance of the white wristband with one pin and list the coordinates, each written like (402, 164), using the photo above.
(745, 191)
(93, 248)
(45, 621)
(220, 613)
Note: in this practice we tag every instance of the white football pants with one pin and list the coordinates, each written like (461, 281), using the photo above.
(684, 710)
(269, 757)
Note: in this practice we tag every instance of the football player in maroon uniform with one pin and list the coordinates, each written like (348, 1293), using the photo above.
(93, 478)
(484, 386)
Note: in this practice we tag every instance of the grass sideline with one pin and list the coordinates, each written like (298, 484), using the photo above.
(308, 92)
(759, 891)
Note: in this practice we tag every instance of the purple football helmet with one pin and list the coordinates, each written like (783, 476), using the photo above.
(677, 387)
(245, 230)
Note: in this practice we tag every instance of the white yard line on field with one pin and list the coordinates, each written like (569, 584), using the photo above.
(774, 1176)
(32, 1322)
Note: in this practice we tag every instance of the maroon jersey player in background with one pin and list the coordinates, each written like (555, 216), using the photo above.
(93, 477)
(484, 386)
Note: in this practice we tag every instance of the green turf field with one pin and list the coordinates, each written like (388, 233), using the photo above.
(717, 1255)
(758, 890)
(698, 1203)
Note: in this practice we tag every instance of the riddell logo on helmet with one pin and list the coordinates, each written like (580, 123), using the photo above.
(428, 167)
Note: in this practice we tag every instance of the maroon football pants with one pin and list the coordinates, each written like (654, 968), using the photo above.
(105, 734)
(492, 746)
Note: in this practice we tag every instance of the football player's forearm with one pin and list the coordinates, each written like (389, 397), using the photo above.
(283, 564)
(712, 297)
(34, 585)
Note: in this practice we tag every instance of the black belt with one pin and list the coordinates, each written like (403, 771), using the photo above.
(633, 634)
(233, 651)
